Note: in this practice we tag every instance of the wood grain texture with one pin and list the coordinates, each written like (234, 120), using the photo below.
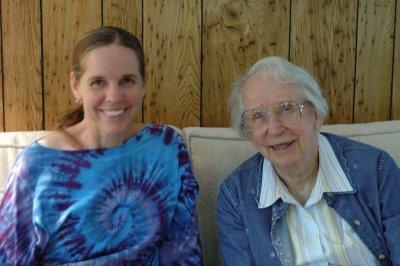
(126, 14)
(196, 49)
(1, 84)
(396, 70)
(236, 35)
(172, 45)
(22, 64)
(374, 60)
(64, 21)
(323, 42)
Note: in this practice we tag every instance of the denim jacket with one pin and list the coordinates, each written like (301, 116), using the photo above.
(252, 236)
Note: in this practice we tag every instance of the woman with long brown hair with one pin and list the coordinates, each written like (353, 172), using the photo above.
(103, 189)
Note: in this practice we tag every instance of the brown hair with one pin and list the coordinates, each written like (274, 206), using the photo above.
(93, 39)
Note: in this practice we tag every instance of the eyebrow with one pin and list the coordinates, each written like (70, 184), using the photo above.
(95, 77)
(130, 76)
(123, 76)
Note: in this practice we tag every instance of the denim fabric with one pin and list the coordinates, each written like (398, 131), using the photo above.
(252, 236)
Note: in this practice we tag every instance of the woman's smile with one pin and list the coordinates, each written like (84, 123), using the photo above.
(282, 147)
(114, 112)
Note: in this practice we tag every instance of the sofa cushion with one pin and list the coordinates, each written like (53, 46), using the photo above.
(215, 152)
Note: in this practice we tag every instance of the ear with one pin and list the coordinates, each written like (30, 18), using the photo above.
(74, 82)
(319, 121)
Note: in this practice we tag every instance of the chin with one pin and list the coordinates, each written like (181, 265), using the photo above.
(281, 161)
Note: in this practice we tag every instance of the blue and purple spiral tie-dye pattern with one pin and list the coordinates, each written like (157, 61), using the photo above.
(129, 205)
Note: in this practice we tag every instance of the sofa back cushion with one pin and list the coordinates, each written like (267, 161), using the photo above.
(11, 143)
(215, 152)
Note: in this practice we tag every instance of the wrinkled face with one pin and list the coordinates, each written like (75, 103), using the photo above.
(284, 145)
(111, 88)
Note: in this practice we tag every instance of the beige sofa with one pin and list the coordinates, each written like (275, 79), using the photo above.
(215, 152)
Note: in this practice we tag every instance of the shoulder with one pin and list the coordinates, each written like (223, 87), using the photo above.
(168, 134)
(245, 175)
(343, 146)
(58, 140)
(254, 162)
(50, 140)
(362, 163)
(159, 128)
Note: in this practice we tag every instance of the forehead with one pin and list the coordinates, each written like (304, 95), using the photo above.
(262, 90)
(110, 60)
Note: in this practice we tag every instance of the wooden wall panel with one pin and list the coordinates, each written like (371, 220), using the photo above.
(396, 70)
(64, 21)
(323, 42)
(235, 35)
(195, 49)
(126, 14)
(374, 60)
(22, 64)
(172, 45)
(1, 83)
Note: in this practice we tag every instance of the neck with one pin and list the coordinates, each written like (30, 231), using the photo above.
(87, 138)
(300, 180)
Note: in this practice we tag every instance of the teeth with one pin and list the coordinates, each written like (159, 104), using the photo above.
(113, 113)
(281, 146)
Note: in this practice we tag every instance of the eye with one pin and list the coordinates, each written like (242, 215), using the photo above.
(257, 115)
(127, 81)
(97, 83)
(286, 107)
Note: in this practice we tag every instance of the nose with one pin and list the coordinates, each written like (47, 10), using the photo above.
(274, 126)
(114, 93)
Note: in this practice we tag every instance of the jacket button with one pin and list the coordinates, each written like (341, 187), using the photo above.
(357, 222)
(381, 256)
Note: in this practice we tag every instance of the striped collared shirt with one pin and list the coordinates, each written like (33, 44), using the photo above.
(319, 236)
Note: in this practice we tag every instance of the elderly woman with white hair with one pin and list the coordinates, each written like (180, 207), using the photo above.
(306, 197)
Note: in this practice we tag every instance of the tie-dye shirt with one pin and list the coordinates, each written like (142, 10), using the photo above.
(129, 205)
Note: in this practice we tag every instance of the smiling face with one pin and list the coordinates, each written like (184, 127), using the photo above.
(111, 89)
(284, 145)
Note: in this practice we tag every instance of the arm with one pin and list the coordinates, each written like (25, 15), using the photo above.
(232, 232)
(389, 191)
(17, 233)
(181, 246)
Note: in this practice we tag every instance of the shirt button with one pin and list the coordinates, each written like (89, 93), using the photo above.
(381, 256)
(357, 222)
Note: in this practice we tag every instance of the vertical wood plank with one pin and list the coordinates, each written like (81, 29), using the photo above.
(64, 21)
(374, 60)
(126, 14)
(22, 64)
(396, 70)
(236, 35)
(323, 41)
(172, 45)
(1, 80)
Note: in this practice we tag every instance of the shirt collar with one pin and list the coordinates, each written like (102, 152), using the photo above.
(330, 178)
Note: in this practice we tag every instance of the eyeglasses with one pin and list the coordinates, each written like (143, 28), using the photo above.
(286, 112)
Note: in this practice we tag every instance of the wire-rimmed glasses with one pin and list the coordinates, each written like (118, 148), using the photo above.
(286, 112)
